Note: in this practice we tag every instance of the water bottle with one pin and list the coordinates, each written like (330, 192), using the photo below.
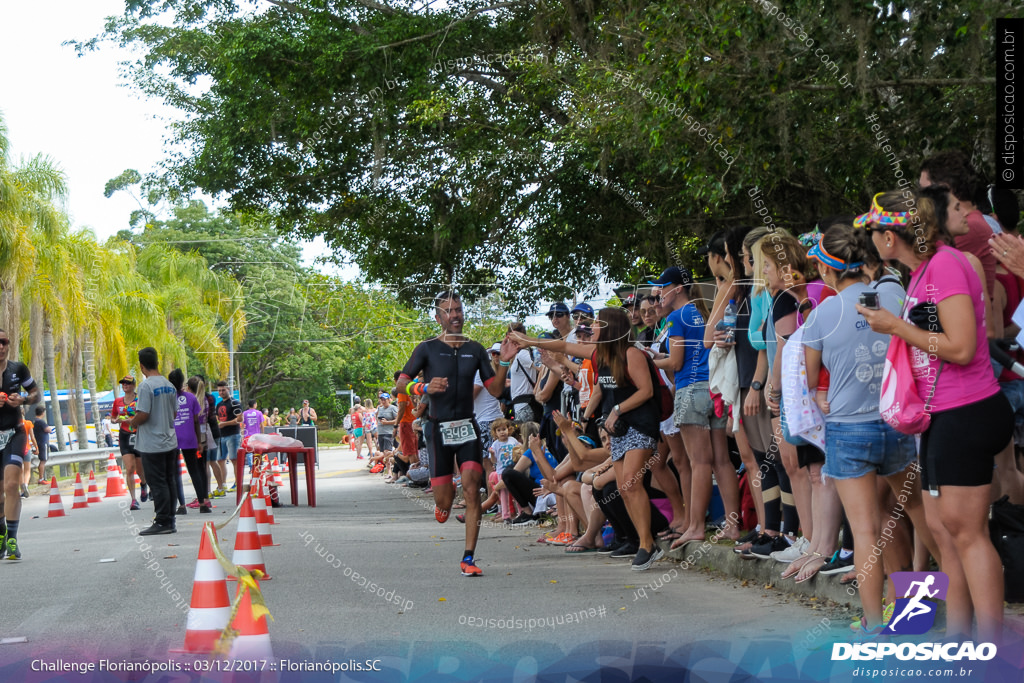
(729, 322)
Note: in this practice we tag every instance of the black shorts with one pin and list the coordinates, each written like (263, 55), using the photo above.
(445, 459)
(960, 445)
(44, 452)
(124, 442)
(807, 455)
(13, 450)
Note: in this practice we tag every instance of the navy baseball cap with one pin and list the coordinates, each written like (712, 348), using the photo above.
(584, 308)
(558, 307)
(673, 276)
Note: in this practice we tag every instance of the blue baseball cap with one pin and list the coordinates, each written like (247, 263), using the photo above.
(673, 275)
(384, 395)
(558, 307)
(584, 308)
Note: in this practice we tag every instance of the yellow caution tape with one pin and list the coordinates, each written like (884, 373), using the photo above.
(247, 581)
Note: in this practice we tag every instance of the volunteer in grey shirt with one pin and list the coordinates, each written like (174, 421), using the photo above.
(157, 442)
(859, 446)
(387, 418)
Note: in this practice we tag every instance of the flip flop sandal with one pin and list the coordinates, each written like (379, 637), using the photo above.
(814, 570)
(669, 536)
(794, 568)
(574, 549)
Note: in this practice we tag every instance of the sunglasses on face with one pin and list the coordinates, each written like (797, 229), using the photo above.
(5, 342)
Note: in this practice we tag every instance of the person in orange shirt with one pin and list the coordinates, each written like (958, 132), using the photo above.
(30, 448)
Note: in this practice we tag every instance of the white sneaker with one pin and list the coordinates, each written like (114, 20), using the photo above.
(403, 480)
(793, 552)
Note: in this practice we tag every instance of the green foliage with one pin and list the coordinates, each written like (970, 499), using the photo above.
(610, 136)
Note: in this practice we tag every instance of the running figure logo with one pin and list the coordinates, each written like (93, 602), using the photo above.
(914, 613)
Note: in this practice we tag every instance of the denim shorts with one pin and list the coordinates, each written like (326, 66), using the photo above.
(694, 408)
(228, 446)
(855, 449)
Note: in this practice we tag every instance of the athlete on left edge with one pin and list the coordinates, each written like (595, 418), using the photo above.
(14, 377)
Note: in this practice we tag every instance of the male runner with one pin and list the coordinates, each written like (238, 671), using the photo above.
(229, 420)
(449, 363)
(14, 377)
(122, 413)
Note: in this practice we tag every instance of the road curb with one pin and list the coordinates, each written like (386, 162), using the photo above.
(708, 555)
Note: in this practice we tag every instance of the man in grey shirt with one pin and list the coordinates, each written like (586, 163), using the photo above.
(387, 418)
(156, 442)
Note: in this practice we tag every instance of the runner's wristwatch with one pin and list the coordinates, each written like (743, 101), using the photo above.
(756, 386)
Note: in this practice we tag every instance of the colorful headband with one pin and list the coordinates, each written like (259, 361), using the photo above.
(818, 252)
(877, 215)
(809, 239)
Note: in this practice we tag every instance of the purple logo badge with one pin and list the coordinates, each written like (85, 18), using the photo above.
(917, 596)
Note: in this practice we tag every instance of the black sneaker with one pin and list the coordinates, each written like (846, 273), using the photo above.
(143, 493)
(610, 548)
(134, 505)
(495, 509)
(625, 550)
(182, 510)
(764, 550)
(743, 549)
(837, 565)
(524, 520)
(158, 529)
(645, 559)
(205, 509)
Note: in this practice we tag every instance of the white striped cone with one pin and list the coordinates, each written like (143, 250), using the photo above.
(210, 608)
(181, 465)
(248, 551)
(56, 506)
(79, 502)
(111, 464)
(115, 484)
(253, 640)
(259, 506)
(94, 493)
(268, 506)
(278, 481)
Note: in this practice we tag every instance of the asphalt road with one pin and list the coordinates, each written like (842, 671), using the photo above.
(535, 611)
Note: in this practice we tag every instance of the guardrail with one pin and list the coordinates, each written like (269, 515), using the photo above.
(74, 457)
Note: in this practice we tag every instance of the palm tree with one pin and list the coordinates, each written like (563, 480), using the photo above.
(31, 200)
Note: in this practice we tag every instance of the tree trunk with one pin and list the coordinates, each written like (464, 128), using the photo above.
(51, 381)
(35, 345)
(10, 316)
(89, 358)
(81, 422)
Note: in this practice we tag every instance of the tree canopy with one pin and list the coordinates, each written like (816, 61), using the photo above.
(535, 146)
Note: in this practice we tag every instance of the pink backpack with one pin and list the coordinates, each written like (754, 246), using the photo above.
(899, 403)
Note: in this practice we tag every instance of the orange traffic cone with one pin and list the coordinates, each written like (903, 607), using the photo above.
(269, 506)
(56, 505)
(115, 483)
(276, 469)
(210, 608)
(79, 501)
(111, 464)
(181, 465)
(253, 639)
(248, 550)
(259, 506)
(94, 493)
